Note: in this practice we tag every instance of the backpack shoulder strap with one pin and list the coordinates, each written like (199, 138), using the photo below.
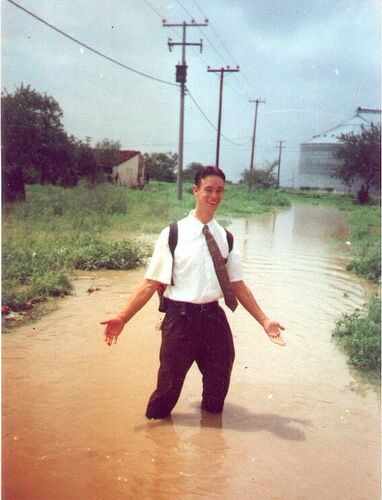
(229, 239)
(172, 242)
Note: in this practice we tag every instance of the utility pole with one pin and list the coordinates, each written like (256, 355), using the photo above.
(279, 164)
(257, 101)
(181, 77)
(221, 71)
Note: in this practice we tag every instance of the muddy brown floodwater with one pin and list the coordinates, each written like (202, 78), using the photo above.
(298, 424)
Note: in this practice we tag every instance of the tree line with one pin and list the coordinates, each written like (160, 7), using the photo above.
(37, 149)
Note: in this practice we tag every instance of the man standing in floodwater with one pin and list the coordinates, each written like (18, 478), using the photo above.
(203, 270)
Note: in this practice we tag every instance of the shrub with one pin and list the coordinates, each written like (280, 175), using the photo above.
(359, 334)
(114, 255)
(367, 264)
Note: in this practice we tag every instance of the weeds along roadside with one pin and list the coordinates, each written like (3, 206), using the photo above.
(359, 333)
(59, 230)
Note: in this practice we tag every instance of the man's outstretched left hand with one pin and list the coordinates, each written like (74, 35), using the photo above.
(272, 329)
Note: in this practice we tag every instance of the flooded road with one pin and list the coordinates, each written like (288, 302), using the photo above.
(297, 424)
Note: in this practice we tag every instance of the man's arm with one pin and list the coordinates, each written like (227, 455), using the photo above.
(248, 301)
(137, 300)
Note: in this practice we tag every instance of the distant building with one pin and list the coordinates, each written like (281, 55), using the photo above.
(130, 169)
(317, 161)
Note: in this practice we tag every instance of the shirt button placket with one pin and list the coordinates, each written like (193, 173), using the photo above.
(209, 267)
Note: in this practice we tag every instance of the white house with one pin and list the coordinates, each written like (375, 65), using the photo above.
(130, 169)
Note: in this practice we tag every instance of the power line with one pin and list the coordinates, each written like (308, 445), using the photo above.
(223, 45)
(198, 54)
(212, 45)
(216, 33)
(158, 13)
(184, 8)
(95, 51)
(200, 109)
(153, 9)
(212, 125)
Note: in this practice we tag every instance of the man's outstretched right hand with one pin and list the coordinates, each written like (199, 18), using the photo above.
(113, 329)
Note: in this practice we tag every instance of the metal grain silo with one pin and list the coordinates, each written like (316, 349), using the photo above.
(317, 161)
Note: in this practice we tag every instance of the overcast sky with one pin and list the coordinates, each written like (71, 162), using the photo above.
(313, 61)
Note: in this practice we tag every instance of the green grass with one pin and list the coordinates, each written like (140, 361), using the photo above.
(360, 335)
(238, 201)
(365, 223)
(58, 230)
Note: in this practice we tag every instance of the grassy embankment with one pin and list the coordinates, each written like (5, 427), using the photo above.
(59, 230)
(359, 333)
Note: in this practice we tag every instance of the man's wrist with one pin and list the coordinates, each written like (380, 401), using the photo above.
(264, 321)
(122, 317)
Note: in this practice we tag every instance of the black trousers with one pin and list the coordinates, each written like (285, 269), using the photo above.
(199, 333)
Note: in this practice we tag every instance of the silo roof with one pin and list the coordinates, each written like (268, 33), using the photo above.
(364, 117)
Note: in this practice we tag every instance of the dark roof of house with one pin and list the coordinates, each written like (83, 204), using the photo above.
(125, 154)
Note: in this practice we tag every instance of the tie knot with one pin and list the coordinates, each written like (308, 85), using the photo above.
(205, 229)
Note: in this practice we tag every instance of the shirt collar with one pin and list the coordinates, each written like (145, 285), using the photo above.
(197, 225)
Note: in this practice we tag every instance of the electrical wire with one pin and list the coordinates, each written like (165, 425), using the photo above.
(153, 9)
(157, 12)
(216, 51)
(95, 51)
(185, 10)
(212, 125)
(205, 36)
(223, 45)
(192, 98)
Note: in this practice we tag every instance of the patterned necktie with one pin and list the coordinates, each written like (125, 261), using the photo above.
(220, 269)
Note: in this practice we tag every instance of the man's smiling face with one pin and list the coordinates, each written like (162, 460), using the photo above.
(209, 194)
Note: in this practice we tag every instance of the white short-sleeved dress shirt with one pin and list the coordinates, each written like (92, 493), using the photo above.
(194, 275)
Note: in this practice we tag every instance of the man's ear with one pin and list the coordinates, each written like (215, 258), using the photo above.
(194, 188)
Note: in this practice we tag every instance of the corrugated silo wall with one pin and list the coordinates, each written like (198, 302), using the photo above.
(316, 166)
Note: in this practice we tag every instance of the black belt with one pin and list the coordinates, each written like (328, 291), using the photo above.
(186, 307)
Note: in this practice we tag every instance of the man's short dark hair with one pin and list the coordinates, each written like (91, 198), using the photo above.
(206, 171)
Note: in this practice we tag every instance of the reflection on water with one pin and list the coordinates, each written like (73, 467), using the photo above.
(73, 424)
(300, 255)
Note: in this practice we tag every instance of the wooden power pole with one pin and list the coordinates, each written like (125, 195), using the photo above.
(221, 71)
(279, 164)
(257, 101)
(181, 77)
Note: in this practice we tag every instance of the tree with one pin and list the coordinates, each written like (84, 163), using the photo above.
(161, 166)
(105, 154)
(264, 177)
(86, 162)
(190, 171)
(359, 156)
(34, 143)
